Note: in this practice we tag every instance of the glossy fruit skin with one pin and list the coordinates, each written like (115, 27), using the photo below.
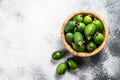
(91, 46)
(99, 25)
(78, 38)
(98, 38)
(69, 26)
(87, 19)
(81, 27)
(69, 37)
(61, 68)
(90, 29)
(57, 55)
(78, 47)
(71, 63)
(78, 18)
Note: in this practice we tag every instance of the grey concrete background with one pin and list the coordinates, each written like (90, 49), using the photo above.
(30, 32)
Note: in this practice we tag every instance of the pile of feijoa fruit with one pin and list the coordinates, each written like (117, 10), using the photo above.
(70, 63)
(84, 33)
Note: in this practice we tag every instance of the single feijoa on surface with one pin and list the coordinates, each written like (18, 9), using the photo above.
(57, 55)
(61, 68)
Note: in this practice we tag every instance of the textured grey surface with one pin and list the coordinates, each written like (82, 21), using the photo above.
(30, 32)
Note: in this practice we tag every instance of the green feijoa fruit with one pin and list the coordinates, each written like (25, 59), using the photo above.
(78, 38)
(75, 47)
(99, 25)
(82, 48)
(87, 19)
(89, 30)
(81, 27)
(61, 68)
(69, 26)
(57, 55)
(98, 38)
(78, 47)
(78, 18)
(91, 46)
(71, 63)
(75, 30)
(69, 37)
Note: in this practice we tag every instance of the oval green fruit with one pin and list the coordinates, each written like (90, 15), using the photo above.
(78, 38)
(69, 37)
(69, 26)
(99, 25)
(71, 63)
(90, 29)
(98, 38)
(91, 46)
(78, 18)
(81, 27)
(75, 47)
(57, 55)
(78, 47)
(87, 19)
(61, 68)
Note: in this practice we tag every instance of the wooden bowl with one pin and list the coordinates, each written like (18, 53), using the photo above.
(84, 54)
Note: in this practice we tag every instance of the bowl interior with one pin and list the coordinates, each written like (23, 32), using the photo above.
(84, 54)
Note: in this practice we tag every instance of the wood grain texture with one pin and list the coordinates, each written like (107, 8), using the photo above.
(84, 54)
